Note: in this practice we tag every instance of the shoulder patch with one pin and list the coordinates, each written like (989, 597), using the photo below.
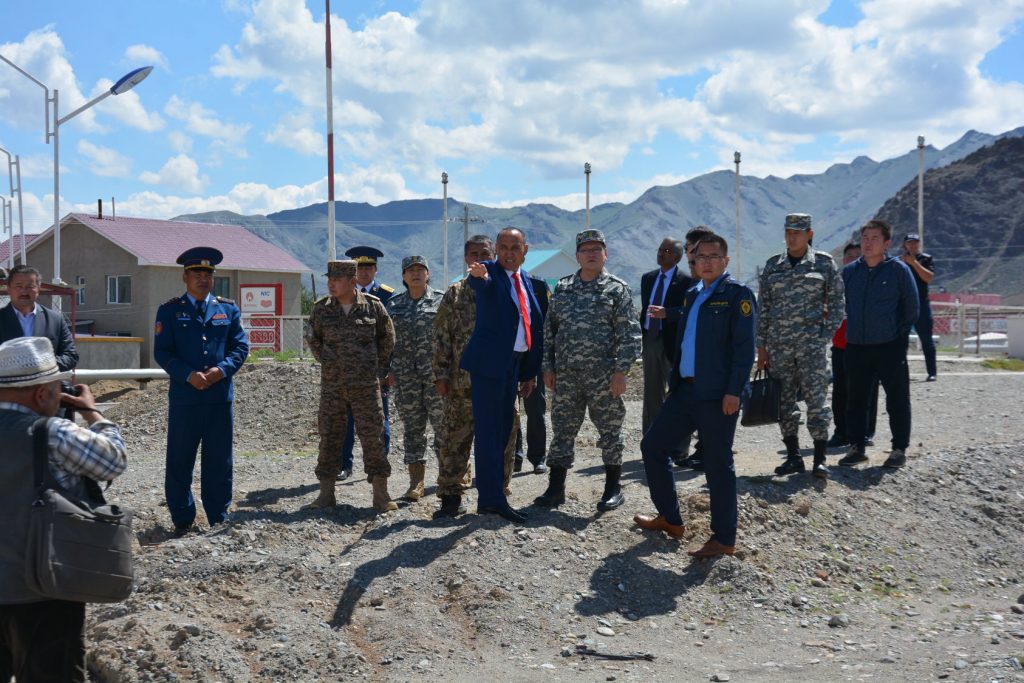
(225, 300)
(746, 308)
(387, 288)
(174, 300)
(824, 254)
(371, 297)
(158, 328)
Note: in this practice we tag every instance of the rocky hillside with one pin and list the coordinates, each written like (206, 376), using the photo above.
(840, 199)
(974, 220)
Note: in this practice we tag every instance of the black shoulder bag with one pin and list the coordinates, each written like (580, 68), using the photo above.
(78, 549)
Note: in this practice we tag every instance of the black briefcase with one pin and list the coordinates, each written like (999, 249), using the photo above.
(763, 405)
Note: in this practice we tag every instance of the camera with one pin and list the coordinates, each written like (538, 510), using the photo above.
(70, 389)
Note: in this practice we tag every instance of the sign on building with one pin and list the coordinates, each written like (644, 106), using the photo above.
(261, 307)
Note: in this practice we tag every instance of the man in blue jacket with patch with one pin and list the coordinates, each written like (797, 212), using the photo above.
(200, 342)
(710, 376)
(881, 307)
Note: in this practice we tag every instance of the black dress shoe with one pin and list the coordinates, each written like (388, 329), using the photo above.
(694, 462)
(820, 470)
(451, 506)
(540, 468)
(504, 510)
(518, 466)
(854, 456)
(896, 460)
(180, 531)
(344, 474)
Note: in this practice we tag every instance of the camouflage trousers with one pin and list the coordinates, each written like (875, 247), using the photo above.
(457, 445)
(577, 391)
(332, 421)
(803, 370)
(417, 401)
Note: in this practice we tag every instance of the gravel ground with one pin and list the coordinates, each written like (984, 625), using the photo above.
(893, 576)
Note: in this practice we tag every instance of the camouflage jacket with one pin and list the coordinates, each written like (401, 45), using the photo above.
(414, 332)
(355, 347)
(453, 327)
(799, 304)
(591, 325)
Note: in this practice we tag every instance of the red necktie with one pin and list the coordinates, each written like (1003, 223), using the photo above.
(524, 309)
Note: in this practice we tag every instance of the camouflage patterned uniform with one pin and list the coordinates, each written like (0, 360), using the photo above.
(799, 309)
(591, 332)
(416, 396)
(456, 317)
(354, 351)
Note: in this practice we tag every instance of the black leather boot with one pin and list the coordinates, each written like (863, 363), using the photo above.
(555, 493)
(451, 506)
(820, 470)
(794, 463)
(612, 496)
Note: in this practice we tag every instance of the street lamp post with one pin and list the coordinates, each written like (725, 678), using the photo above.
(123, 85)
(7, 213)
(736, 160)
(444, 184)
(586, 172)
(14, 171)
(920, 189)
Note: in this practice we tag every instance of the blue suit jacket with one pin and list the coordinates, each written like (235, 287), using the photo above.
(489, 351)
(183, 344)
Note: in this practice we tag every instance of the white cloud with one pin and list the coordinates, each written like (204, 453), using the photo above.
(180, 172)
(202, 121)
(104, 161)
(551, 84)
(127, 108)
(179, 142)
(295, 132)
(145, 55)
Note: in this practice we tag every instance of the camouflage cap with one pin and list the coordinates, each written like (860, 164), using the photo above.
(798, 221)
(589, 235)
(410, 261)
(341, 269)
(912, 237)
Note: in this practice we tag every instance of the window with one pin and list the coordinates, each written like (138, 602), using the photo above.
(119, 289)
(222, 287)
(80, 296)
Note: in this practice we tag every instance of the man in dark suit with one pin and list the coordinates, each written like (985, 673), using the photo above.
(23, 317)
(664, 287)
(535, 404)
(503, 358)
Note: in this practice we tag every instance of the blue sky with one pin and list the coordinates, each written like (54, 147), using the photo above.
(509, 98)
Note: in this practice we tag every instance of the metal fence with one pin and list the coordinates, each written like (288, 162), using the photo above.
(971, 328)
(277, 333)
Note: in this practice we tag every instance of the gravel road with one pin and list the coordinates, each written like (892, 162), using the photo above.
(893, 576)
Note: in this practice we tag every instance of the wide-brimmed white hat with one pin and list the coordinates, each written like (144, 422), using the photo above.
(27, 361)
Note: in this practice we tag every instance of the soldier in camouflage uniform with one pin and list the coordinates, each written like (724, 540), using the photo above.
(456, 317)
(591, 339)
(351, 336)
(800, 306)
(413, 313)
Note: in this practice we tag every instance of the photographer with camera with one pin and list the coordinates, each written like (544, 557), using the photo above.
(43, 639)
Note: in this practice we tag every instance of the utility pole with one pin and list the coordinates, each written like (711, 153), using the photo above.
(586, 172)
(466, 220)
(920, 189)
(736, 159)
(331, 249)
(444, 185)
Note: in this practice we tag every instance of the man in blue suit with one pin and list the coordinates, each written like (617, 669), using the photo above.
(200, 342)
(503, 358)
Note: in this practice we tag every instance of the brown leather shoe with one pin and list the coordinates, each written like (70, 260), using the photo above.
(711, 549)
(659, 523)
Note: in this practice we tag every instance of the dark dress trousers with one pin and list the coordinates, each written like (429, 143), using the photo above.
(536, 403)
(659, 346)
(495, 371)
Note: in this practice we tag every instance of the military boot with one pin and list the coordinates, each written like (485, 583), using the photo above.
(612, 496)
(451, 506)
(326, 498)
(381, 498)
(820, 470)
(555, 493)
(794, 463)
(417, 474)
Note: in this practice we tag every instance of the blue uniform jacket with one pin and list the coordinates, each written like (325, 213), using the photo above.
(881, 302)
(181, 344)
(726, 325)
(488, 352)
(381, 291)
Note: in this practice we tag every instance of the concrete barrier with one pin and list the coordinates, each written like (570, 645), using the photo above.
(98, 352)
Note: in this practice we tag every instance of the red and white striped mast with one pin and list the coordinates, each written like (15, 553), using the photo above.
(331, 253)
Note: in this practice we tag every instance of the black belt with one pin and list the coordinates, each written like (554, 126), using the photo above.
(688, 380)
(520, 355)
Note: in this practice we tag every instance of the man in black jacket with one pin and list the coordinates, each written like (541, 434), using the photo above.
(23, 317)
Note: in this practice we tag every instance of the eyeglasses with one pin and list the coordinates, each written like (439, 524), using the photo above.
(590, 250)
(708, 258)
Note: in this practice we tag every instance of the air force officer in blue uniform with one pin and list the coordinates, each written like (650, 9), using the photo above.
(503, 358)
(200, 342)
(710, 375)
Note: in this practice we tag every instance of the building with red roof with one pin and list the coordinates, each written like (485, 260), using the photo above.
(124, 268)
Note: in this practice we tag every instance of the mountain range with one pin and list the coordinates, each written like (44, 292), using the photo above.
(840, 200)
